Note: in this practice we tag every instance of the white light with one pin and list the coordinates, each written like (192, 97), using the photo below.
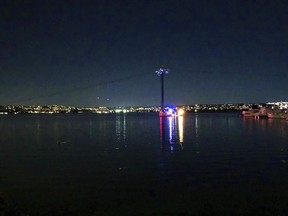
(180, 112)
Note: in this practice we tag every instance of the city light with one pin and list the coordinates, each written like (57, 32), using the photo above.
(180, 112)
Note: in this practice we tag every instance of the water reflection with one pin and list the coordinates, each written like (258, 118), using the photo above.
(172, 132)
(196, 129)
(276, 126)
(121, 127)
(181, 129)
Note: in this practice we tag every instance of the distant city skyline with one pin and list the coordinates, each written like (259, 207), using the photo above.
(105, 53)
(59, 109)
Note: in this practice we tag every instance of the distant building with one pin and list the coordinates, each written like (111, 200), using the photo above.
(281, 105)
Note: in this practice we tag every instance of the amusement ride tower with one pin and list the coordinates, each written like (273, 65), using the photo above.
(161, 72)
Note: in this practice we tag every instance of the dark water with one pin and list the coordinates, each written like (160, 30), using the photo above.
(133, 164)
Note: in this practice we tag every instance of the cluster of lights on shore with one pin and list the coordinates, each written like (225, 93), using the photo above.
(168, 111)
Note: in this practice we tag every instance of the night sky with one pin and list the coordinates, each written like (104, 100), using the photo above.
(105, 53)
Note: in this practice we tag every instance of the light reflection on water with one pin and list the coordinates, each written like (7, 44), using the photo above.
(172, 130)
(120, 131)
(196, 129)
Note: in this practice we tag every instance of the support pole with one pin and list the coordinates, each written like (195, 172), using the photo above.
(161, 72)
(162, 92)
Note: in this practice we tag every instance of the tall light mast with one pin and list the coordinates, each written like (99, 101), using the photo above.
(161, 72)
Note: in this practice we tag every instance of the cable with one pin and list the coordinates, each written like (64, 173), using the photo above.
(78, 88)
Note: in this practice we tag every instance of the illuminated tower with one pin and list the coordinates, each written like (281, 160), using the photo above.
(161, 72)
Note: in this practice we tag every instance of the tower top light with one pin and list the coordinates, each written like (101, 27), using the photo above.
(162, 71)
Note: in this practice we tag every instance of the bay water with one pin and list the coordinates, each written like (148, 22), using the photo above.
(140, 164)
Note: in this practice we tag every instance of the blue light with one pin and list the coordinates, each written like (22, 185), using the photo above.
(170, 111)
